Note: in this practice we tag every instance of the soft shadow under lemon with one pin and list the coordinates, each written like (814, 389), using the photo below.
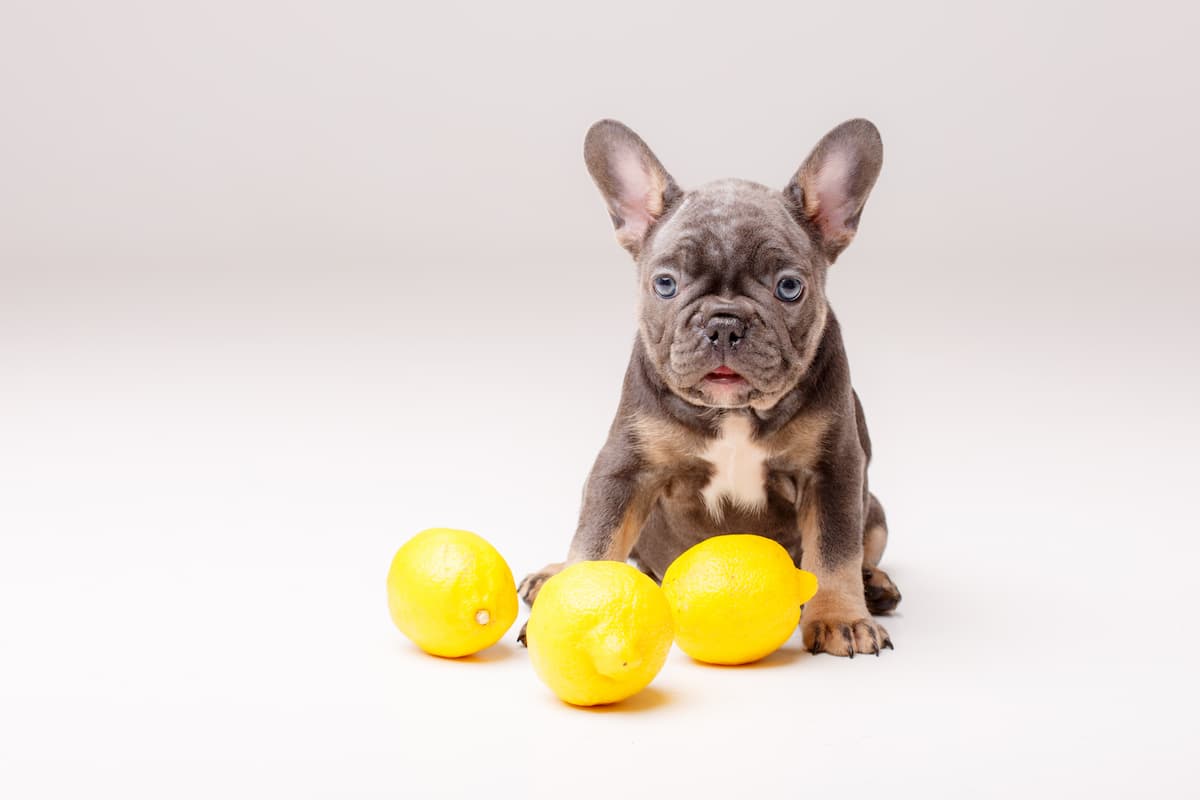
(645, 700)
(501, 651)
(782, 657)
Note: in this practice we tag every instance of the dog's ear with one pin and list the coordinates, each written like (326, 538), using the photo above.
(829, 190)
(635, 186)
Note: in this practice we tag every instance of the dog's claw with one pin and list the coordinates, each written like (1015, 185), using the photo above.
(848, 639)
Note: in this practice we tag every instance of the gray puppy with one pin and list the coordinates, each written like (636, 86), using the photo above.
(737, 413)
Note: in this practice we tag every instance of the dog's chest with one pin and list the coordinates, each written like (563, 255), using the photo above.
(738, 468)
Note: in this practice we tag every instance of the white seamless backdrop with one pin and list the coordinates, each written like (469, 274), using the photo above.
(283, 284)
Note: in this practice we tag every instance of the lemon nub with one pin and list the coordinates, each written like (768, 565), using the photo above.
(482, 616)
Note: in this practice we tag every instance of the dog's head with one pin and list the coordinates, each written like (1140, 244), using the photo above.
(731, 276)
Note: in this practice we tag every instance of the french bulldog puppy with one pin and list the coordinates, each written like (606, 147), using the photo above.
(737, 412)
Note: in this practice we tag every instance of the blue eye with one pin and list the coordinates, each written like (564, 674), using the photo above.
(664, 286)
(789, 289)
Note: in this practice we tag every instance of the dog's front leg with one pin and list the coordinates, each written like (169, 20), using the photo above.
(836, 620)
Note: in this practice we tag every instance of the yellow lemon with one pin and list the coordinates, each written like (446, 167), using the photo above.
(598, 632)
(735, 598)
(451, 592)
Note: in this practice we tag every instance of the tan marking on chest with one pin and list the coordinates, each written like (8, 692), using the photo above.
(739, 468)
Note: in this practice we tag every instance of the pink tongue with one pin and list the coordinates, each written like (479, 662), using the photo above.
(723, 370)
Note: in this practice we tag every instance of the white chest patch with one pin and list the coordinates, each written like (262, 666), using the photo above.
(739, 470)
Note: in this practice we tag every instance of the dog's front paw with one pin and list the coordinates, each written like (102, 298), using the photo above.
(529, 588)
(844, 635)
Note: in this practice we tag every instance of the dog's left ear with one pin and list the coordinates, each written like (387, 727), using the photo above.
(829, 190)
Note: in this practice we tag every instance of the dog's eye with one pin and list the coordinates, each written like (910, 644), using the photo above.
(664, 286)
(789, 289)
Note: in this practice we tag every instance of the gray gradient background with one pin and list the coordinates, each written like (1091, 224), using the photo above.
(283, 284)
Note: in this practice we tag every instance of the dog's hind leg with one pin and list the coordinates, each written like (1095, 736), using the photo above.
(881, 594)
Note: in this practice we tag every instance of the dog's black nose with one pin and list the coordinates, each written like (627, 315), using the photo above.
(725, 330)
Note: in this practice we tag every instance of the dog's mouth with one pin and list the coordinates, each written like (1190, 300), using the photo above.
(724, 376)
(724, 387)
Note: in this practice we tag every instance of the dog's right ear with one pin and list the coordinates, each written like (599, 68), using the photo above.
(635, 186)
